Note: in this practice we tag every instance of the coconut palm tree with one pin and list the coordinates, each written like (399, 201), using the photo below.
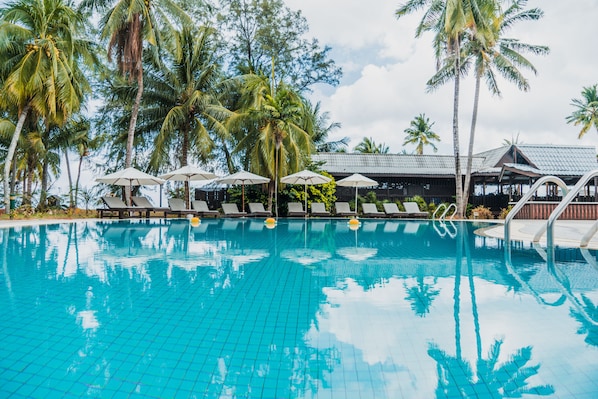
(449, 21)
(181, 102)
(369, 146)
(420, 133)
(39, 49)
(586, 110)
(493, 55)
(274, 127)
(127, 25)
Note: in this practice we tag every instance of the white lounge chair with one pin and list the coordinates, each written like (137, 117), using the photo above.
(232, 211)
(296, 209)
(392, 210)
(370, 210)
(178, 207)
(116, 206)
(201, 207)
(257, 209)
(413, 209)
(343, 209)
(319, 209)
(144, 202)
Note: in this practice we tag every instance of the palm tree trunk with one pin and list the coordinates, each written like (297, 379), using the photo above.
(68, 173)
(456, 150)
(81, 157)
(131, 133)
(474, 119)
(10, 154)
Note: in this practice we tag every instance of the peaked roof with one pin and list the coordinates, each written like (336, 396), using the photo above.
(340, 163)
(528, 160)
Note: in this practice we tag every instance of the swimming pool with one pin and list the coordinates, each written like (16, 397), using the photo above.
(308, 309)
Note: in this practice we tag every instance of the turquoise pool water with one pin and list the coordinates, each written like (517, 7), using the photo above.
(308, 309)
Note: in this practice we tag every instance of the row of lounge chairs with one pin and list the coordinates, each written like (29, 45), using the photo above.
(115, 206)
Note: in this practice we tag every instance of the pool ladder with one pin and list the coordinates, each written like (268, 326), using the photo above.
(450, 229)
(568, 197)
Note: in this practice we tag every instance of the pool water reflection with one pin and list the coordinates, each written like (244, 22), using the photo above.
(230, 308)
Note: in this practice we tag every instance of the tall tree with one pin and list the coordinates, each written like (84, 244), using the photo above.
(275, 129)
(127, 25)
(420, 133)
(181, 102)
(369, 146)
(449, 20)
(586, 110)
(494, 55)
(37, 44)
(265, 30)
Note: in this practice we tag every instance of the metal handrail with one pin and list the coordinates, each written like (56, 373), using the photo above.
(521, 203)
(441, 206)
(560, 208)
(446, 210)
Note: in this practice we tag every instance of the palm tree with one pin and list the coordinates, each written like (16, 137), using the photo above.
(323, 128)
(181, 101)
(369, 146)
(450, 20)
(127, 25)
(505, 56)
(39, 50)
(420, 133)
(275, 128)
(586, 110)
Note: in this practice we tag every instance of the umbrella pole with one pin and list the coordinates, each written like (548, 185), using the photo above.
(305, 199)
(355, 200)
(242, 197)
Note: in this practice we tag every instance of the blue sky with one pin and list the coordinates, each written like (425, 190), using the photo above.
(385, 70)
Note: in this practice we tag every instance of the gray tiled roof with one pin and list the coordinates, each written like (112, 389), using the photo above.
(560, 160)
(543, 159)
(337, 163)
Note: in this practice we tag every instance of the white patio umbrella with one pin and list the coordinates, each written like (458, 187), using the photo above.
(357, 180)
(130, 177)
(242, 177)
(187, 174)
(305, 177)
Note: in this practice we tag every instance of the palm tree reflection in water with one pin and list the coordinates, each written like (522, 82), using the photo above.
(456, 377)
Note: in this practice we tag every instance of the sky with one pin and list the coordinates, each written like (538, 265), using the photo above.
(385, 70)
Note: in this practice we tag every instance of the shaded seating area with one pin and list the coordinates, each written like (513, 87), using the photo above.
(202, 209)
(392, 210)
(179, 208)
(295, 209)
(319, 209)
(413, 210)
(257, 209)
(144, 202)
(231, 210)
(370, 210)
(343, 209)
(117, 207)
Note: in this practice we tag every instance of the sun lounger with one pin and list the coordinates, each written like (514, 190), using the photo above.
(370, 210)
(296, 209)
(201, 207)
(343, 209)
(144, 202)
(392, 210)
(413, 209)
(319, 209)
(232, 211)
(257, 209)
(116, 206)
(178, 207)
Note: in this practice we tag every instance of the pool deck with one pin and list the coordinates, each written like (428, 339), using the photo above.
(566, 233)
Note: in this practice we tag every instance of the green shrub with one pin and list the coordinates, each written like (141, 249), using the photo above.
(481, 212)
(504, 212)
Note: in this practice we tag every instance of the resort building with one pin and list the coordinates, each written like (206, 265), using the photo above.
(499, 176)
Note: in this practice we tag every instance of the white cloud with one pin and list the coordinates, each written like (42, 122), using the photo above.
(388, 69)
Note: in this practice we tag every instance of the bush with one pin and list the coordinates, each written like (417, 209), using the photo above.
(504, 212)
(481, 212)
